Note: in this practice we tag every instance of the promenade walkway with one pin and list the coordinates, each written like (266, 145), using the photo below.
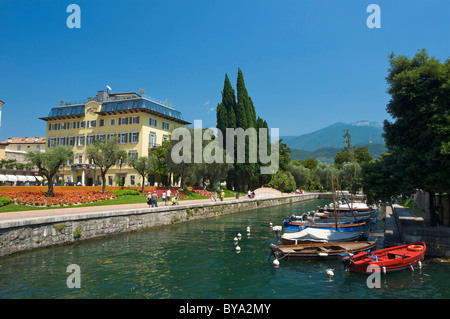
(107, 208)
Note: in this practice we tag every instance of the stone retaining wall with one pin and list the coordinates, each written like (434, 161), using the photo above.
(33, 233)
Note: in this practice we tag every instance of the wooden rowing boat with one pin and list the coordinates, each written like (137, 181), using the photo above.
(386, 260)
(320, 250)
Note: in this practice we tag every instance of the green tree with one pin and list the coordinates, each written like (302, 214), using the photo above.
(285, 158)
(104, 154)
(143, 165)
(362, 155)
(420, 133)
(283, 181)
(300, 173)
(310, 163)
(323, 174)
(49, 162)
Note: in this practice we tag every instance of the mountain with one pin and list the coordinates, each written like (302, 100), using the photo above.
(362, 132)
(324, 143)
(326, 154)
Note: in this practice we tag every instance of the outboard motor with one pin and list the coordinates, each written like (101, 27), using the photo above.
(346, 260)
(287, 222)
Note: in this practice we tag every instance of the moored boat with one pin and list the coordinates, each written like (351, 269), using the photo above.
(320, 250)
(343, 226)
(311, 234)
(388, 259)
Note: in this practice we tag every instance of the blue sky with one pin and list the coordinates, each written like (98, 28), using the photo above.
(307, 64)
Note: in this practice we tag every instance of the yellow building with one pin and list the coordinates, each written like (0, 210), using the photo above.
(139, 122)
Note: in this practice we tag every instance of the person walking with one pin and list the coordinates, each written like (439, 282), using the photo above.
(222, 194)
(168, 194)
(149, 199)
(215, 196)
(176, 198)
(164, 198)
(154, 199)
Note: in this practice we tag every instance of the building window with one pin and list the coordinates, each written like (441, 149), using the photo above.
(52, 142)
(101, 136)
(110, 180)
(61, 141)
(123, 120)
(165, 126)
(101, 122)
(112, 122)
(38, 147)
(123, 138)
(62, 126)
(91, 123)
(90, 139)
(80, 158)
(152, 140)
(134, 120)
(71, 140)
(52, 127)
(71, 125)
(80, 140)
(134, 137)
(18, 147)
(111, 136)
(133, 154)
(153, 122)
(165, 137)
(132, 180)
(81, 124)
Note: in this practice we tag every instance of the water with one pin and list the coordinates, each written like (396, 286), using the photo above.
(197, 260)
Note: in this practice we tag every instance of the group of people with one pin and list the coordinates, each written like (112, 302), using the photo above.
(152, 199)
(214, 196)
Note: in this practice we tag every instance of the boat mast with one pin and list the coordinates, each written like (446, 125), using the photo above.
(334, 203)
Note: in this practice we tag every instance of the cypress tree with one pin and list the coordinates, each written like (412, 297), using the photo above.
(222, 117)
(229, 101)
(242, 102)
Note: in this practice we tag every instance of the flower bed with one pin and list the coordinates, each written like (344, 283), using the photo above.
(203, 192)
(60, 198)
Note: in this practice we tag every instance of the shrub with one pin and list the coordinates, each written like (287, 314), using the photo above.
(4, 201)
(124, 192)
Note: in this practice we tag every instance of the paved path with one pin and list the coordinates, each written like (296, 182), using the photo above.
(76, 210)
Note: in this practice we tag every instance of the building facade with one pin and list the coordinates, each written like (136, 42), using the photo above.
(16, 147)
(139, 123)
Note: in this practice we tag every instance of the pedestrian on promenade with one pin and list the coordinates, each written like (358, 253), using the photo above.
(149, 199)
(176, 198)
(215, 196)
(222, 195)
(168, 195)
(154, 199)
(164, 198)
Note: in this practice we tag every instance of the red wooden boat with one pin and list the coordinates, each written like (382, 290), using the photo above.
(389, 259)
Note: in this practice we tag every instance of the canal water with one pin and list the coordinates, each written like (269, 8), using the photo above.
(198, 260)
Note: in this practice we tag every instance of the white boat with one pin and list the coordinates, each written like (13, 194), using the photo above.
(323, 235)
(349, 206)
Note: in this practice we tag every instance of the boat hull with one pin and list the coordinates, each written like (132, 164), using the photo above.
(316, 251)
(388, 259)
(323, 235)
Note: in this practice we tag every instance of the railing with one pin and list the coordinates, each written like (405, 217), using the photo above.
(114, 98)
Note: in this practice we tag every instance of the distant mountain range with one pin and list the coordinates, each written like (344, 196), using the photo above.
(324, 143)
